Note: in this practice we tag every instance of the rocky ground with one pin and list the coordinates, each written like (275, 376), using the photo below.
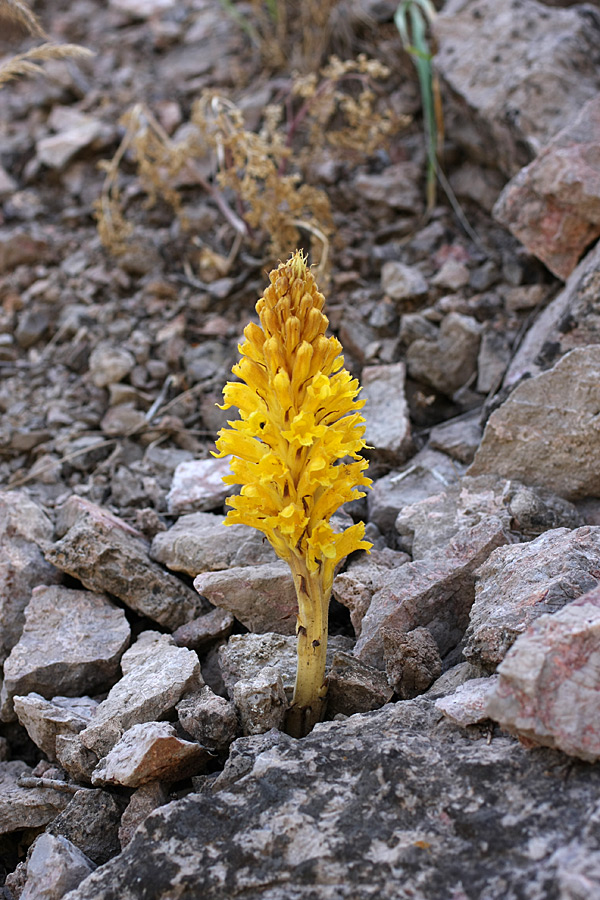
(148, 652)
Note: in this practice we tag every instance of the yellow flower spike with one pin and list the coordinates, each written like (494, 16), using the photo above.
(298, 421)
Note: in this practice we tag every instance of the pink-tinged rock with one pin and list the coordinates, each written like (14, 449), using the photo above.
(22, 807)
(20, 249)
(262, 598)
(55, 866)
(150, 751)
(365, 575)
(548, 431)
(261, 703)
(436, 593)
(200, 633)
(548, 690)
(44, 719)
(198, 486)
(144, 800)
(468, 704)
(412, 661)
(518, 584)
(449, 361)
(387, 427)
(106, 554)
(553, 205)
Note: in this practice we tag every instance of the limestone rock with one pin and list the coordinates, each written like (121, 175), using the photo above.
(24, 529)
(144, 800)
(22, 807)
(553, 205)
(397, 186)
(548, 691)
(209, 719)
(74, 758)
(412, 661)
(200, 633)
(547, 433)
(458, 438)
(106, 554)
(150, 751)
(146, 645)
(354, 687)
(365, 575)
(91, 822)
(198, 486)
(200, 542)
(518, 584)
(262, 598)
(402, 282)
(261, 703)
(149, 691)
(387, 421)
(467, 705)
(109, 365)
(448, 362)
(54, 867)
(45, 719)
(72, 643)
(515, 88)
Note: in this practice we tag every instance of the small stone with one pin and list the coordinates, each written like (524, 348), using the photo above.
(144, 800)
(91, 822)
(72, 643)
(55, 866)
(365, 575)
(74, 758)
(45, 719)
(150, 751)
(123, 420)
(402, 282)
(396, 186)
(261, 703)
(209, 719)
(412, 661)
(25, 807)
(198, 486)
(494, 356)
(200, 633)
(263, 598)
(354, 687)
(145, 646)
(458, 438)
(453, 275)
(33, 325)
(450, 361)
(20, 249)
(110, 364)
(387, 433)
(468, 704)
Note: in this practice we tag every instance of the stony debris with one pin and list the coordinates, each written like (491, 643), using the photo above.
(26, 807)
(109, 365)
(546, 433)
(401, 282)
(72, 643)
(467, 705)
(198, 486)
(148, 643)
(365, 575)
(387, 426)
(518, 584)
(553, 205)
(548, 689)
(44, 720)
(148, 692)
(353, 687)
(263, 598)
(150, 751)
(200, 542)
(105, 554)
(77, 761)
(412, 661)
(209, 719)
(200, 633)
(55, 867)
(450, 361)
(24, 529)
(458, 438)
(261, 703)
(144, 800)
(91, 822)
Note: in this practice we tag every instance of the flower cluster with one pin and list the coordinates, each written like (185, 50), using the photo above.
(299, 425)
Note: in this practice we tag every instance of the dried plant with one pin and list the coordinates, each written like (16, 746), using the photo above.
(298, 420)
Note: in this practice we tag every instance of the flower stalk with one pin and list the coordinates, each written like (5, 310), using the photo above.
(296, 454)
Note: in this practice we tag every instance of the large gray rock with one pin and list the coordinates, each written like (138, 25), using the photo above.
(436, 593)
(365, 575)
(449, 361)
(54, 867)
(547, 432)
(517, 75)
(91, 822)
(364, 807)
(553, 205)
(24, 529)
(71, 644)
(44, 720)
(520, 583)
(548, 690)
(26, 807)
(387, 430)
(106, 554)
(201, 542)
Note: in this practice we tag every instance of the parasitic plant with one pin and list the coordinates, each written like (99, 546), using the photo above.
(296, 453)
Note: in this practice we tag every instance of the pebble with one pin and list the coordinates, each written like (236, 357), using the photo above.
(198, 486)
(261, 703)
(402, 282)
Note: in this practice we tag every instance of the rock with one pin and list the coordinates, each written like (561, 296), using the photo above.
(353, 687)
(436, 593)
(105, 554)
(548, 690)
(91, 822)
(74, 758)
(200, 633)
(397, 186)
(244, 655)
(24, 528)
(109, 365)
(536, 78)
(55, 867)
(57, 150)
(201, 542)
(458, 438)
(243, 754)
(364, 576)
(144, 800)
(71, 644)
(261, 703)
(412, 661)
(142, 9)
(402, 282)
(494, 355)
(311, 819)
(22, 807)
(569, 321)
(553, 205)
(198, 486)
(387, 430)
(263, 598)
(468, 704)
(546, 433)
(451, 360)
(429, 525)
(209, 719)
(17, 248)
(148, 692)
(146, 645)
(45, 719)
(426, 474)
(150, 751)
(520, 583)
